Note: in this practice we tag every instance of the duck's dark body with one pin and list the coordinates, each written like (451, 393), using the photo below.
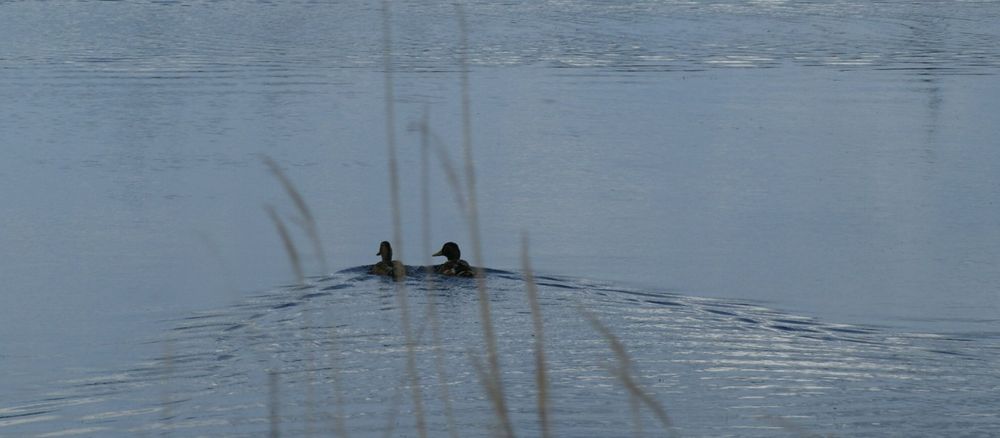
(455, 266)
(388, 267)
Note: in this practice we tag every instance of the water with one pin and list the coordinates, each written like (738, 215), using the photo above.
(721, 368)
(832, 160)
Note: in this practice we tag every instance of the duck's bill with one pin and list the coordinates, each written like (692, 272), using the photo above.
(437, 254)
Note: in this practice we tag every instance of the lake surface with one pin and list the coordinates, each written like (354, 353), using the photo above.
(830, 163)
(719, 367)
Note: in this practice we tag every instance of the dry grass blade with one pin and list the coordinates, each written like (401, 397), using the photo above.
(635, 406)
(430, 140)
(411, 365)
(484, 379)
(390, 126)
(541, 379)
(624, 372)
(450, 171)
(286, 239)
(439, 363)
(432, 315)
(401, 295)
(425, 186)
(308, 221)
(492, 357)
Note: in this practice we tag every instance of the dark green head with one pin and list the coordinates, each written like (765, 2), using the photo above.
(450, 250)
(385, 250)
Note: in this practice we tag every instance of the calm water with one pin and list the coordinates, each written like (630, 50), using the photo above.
(829, 163)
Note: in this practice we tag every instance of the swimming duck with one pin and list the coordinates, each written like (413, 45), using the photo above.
(388, 266)
(455, 266)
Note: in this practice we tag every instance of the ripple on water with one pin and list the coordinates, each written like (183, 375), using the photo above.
(336, 348)
(255, 42)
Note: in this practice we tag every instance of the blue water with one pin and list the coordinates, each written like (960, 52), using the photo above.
(832, 162)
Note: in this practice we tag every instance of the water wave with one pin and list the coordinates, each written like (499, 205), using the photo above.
(337, 350)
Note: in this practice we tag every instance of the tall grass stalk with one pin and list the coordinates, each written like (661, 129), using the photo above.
(450, 171)
(625, 370)
(635, 406)
(541, 378)
(390, 125)
(401, 294)
(432, 314)
(488, 383)
(411, 366)
(492, 358)
(286, 239)
(307, 220)
(425, 188)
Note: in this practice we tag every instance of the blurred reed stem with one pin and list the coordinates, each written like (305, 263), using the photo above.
(400, 285)
(636, 408)
(541, 378)
(625, 370)
(450, 171)
(286, 239)
(307, 220)
(432, 314)
(492, 358)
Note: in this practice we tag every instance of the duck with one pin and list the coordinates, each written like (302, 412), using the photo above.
(455, 266)
(388, 267)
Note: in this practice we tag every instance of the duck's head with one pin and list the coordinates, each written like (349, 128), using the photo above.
(449, 250)
(385, 250)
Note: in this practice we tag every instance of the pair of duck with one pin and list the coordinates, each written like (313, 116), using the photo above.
(453, 267)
